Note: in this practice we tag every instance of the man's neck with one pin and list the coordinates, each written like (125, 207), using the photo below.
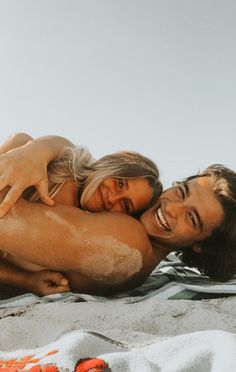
(160, 250)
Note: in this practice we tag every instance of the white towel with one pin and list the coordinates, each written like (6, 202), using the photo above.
(207, 351)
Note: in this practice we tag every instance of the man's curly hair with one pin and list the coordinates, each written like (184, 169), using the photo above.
(218, 257)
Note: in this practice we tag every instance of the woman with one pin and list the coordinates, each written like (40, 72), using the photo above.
(125, 182)
(74, 169)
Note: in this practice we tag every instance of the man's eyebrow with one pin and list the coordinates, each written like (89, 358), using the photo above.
(187, 190)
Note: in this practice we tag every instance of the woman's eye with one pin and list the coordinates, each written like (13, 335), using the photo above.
(120, 183)
(126, 206)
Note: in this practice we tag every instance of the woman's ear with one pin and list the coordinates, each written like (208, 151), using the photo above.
(197, 248)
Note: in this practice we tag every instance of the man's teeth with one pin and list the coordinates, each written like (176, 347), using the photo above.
(161, 221)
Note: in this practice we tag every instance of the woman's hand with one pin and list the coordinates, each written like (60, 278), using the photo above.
(20, 168)
(26, 165)
(47, 282)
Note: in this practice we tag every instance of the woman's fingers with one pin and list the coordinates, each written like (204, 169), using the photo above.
(42, 188)
(18, 181)
(3, 182)
(10, 199)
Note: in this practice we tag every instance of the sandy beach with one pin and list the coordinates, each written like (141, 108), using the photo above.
(36, 325)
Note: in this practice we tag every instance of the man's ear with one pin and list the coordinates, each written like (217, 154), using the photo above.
(197, 248)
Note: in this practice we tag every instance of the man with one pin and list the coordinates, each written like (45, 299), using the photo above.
(107, 252)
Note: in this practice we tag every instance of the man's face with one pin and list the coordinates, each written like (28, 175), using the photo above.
(185, 214)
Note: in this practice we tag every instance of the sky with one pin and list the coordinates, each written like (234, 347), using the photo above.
(154, 76)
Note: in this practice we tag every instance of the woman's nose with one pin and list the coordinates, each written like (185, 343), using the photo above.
(113, 198)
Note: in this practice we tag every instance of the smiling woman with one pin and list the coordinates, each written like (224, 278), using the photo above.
(125, 182)
(121, 195)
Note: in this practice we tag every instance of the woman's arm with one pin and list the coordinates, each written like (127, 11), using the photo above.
(25, 164)
(14, 141)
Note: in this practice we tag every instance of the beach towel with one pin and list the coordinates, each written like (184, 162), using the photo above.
(171, 280)
(85, 351)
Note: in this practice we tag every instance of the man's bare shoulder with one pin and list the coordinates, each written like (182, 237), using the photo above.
(124, 227)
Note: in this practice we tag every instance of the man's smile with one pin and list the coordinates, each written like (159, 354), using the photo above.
(161, 221)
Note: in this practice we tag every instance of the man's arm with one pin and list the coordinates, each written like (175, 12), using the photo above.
(106, 247)
(41, 283)
(23, 163)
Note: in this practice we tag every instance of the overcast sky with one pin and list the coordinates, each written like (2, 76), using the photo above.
(158, 77)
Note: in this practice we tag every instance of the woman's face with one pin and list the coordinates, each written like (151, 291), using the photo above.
(120, 195)
(185, 214)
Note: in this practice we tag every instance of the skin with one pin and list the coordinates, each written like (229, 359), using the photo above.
(124, 196)
(114, 195)
(21, 169)
(24, 163)
(189, 213)
(83, 236)
(120, 195)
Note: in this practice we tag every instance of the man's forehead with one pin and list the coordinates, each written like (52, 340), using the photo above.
(203, 181)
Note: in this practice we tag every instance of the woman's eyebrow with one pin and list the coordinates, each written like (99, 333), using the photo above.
(133, 208)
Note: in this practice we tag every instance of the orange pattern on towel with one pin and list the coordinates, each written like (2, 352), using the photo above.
(19, 365)
(92, 364)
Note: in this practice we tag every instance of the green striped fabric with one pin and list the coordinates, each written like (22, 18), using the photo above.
(171, 280)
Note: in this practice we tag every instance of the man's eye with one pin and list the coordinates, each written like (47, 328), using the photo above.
(193, 221)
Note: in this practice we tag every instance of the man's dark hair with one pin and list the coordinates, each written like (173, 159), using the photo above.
(218, 256)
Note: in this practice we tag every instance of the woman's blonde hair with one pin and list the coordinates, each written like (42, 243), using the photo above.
(77, 163)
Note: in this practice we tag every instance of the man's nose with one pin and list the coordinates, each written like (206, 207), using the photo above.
(173, 208)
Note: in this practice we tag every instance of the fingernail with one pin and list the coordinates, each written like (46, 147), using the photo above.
(64, 281)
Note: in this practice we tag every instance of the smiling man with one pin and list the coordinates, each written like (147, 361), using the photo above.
(185, 214)
(107, 252)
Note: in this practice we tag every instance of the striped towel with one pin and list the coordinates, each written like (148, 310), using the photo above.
(171, 280)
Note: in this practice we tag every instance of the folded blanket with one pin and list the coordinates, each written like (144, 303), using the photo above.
(87, 351)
